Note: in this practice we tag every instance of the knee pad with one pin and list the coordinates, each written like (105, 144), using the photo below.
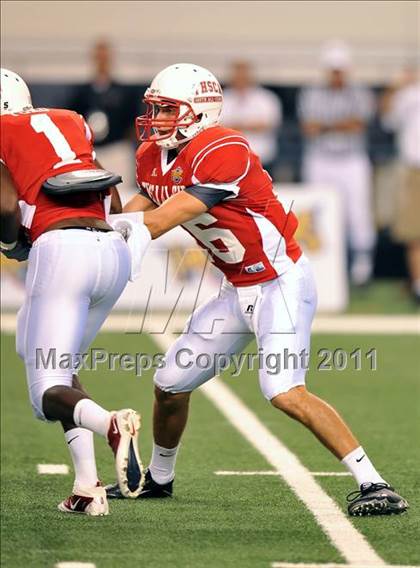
(38, 387)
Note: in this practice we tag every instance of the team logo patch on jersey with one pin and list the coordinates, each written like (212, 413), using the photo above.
(253, 268)
(176, 175)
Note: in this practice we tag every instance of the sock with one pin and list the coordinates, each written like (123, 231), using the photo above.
(82, 451)
(90, 415)
(162, 466)
(360, 466)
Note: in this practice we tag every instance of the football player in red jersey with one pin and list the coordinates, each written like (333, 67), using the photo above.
(53, 206)
(193, 172)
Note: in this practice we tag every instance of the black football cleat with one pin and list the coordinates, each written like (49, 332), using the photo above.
(150, 489)
(375, 499)
(113, 491)
(153, 490)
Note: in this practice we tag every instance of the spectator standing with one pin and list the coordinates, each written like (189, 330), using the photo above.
(400, 108)
(254, 110)
(110, 109)
(334, 117)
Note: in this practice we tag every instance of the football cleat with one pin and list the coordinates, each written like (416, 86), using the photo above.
(375, 499)
(122, 437)
(150, 489)
(86, 501)
(153, 490)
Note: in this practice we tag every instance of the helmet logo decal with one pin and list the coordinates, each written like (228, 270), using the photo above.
(210, 87)
(213, 99)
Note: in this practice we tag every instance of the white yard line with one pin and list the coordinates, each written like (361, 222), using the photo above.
(347, 540)
(75, 565)
(245, 473)
(331, 473)
(52, 469)
(342, 324)
(314, 473)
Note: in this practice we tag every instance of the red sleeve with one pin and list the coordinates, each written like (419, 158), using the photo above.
(222, 163)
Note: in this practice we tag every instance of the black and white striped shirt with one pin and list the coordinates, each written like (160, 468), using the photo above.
(329, 106)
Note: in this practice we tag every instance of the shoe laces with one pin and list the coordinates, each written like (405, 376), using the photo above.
(366, 488)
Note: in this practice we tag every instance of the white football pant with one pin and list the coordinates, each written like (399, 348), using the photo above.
(278, 314)
(74, 278)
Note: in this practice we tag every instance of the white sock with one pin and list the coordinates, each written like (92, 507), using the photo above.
(82, 451)
(360, 466)
(90, 415)
(162, 465)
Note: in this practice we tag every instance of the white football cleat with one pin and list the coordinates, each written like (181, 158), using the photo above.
(86, 501)
(122, 437)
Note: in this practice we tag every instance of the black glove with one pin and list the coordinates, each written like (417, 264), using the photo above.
(20, 251)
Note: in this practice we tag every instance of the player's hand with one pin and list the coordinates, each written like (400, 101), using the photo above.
(136, 234)
(124, 222)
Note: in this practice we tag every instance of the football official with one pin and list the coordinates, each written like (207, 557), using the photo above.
(334, 118)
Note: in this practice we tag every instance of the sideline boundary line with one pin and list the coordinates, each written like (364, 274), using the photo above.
(339, 324)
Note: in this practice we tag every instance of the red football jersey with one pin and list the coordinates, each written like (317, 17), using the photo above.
(248, 234)
(43, 143)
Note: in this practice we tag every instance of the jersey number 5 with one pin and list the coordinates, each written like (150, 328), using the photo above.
(42, 123)
(220, 242)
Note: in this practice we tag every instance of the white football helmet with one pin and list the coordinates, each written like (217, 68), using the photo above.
(14, 93)
(196, 95)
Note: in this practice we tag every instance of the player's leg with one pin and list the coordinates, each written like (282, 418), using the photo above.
(122, 434)
(292, 299)
(36, 331)
(215, 328)
(50, 330)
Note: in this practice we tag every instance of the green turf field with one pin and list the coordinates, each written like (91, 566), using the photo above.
(214, 521)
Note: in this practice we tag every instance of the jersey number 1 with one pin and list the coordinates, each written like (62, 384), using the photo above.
(42, 123)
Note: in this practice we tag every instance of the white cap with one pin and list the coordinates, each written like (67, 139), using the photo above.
(336, 55)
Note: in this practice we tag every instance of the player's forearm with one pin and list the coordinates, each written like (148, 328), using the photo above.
(179, 209)
(9, 228)
(116, 206)
(159, 223)
(138, 203)
(9, 209)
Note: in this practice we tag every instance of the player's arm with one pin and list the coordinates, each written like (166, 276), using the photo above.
(139, 203)
(176, 210)
(9, 211)
(13, 241)
(116, 206)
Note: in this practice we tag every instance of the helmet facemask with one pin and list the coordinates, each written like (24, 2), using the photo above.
(167, 132)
